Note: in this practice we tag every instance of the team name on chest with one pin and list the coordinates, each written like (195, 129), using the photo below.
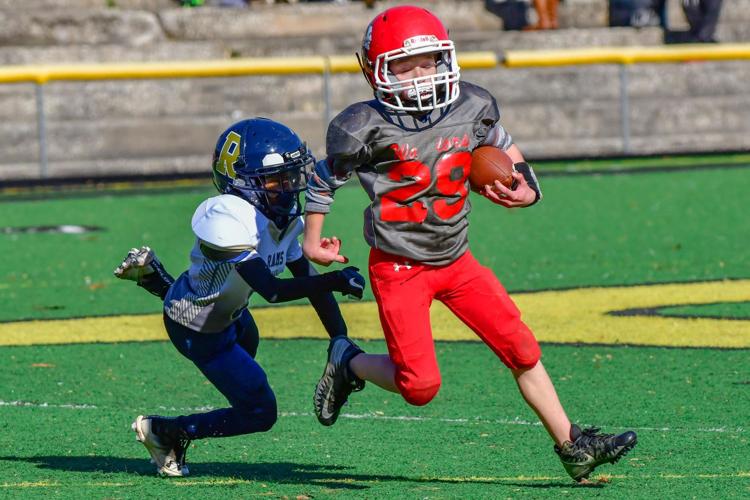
(448, 143)
(405, 152)
(275, 259)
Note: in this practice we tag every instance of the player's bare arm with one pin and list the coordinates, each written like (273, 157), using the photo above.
(321, 250)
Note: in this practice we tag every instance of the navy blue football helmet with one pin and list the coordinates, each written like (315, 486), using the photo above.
(265, 163)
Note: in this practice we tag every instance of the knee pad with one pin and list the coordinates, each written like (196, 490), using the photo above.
(527, 363)
(419, 393)
(258, 406)
(527, 352)
(520, 349)
(262, 413)
(266, 418)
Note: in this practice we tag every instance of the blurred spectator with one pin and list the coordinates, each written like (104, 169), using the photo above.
(660, 9)
(546, 14)
(214, 3)
(637, 13)
(512, 12)
(702, 16)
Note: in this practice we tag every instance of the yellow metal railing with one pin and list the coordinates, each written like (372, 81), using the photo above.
(626, 55)
(42, 74)
(323, 65)
(327, 65)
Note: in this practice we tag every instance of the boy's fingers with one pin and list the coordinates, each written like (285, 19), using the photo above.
(342, 259)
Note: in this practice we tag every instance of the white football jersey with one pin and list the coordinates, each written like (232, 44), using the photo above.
(210, 295)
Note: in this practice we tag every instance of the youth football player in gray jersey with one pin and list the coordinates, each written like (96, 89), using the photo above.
(414, 168)
(245, 237)
(411, 149)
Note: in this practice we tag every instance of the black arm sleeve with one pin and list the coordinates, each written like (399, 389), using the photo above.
(158, 282)
(273, 289)
(528, 174)
(324, 303)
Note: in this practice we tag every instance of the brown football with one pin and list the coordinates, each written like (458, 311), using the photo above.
(487, 164)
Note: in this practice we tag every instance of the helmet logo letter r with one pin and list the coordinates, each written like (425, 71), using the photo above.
(229, 153)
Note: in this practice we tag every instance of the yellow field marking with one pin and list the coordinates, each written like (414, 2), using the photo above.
(568, 316)
(29, 484)
(76, 331)
(580, 315)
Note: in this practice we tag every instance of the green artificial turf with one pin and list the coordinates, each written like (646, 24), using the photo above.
(589, 230)
(65, 410)
(631, 164)
(477, 439)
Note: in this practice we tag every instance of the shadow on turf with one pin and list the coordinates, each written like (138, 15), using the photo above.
(328, 476)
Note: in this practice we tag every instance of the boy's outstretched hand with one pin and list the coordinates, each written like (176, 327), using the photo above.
(327, 252)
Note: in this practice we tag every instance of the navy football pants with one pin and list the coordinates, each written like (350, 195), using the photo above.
(226, 359)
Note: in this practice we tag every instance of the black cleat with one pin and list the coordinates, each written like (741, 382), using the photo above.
(588, 450)
(337, 382)
(180, 448)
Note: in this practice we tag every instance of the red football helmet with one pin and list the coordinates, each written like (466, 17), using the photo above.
(402, 32)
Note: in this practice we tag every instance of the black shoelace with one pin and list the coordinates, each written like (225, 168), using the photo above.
(598, 445)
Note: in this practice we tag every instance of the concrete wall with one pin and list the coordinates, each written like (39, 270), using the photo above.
(128, 127)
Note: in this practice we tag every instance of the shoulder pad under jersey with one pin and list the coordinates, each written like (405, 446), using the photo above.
(481, 99)
(228, 222)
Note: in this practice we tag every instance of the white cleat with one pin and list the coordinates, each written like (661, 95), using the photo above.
(163, 454)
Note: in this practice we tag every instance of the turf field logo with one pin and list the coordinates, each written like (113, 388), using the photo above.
(577, 316)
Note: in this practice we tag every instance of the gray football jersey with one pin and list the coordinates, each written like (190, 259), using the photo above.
(414, 169)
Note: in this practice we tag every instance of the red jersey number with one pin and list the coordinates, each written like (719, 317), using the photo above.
(393, 204)
(449, 164)
(393, 207)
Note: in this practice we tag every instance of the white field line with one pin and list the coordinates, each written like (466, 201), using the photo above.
(71, 406)
(449, 479)
(513, 421)
(380, 416)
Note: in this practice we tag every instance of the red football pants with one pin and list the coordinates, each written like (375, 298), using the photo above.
(404, 291)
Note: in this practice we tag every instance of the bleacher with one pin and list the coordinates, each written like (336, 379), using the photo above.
(160, 126)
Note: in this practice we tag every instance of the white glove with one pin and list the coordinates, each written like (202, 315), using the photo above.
(138, 263)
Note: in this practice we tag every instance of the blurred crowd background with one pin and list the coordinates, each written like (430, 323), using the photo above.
(144, 127)
(702, 16)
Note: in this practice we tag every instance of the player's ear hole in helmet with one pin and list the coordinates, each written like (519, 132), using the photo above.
(266, 163)
(402, 32)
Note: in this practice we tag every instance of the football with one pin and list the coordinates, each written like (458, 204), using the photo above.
(487, 164)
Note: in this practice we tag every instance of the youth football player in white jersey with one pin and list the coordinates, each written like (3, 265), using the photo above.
(244, 238)
(411, 150)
